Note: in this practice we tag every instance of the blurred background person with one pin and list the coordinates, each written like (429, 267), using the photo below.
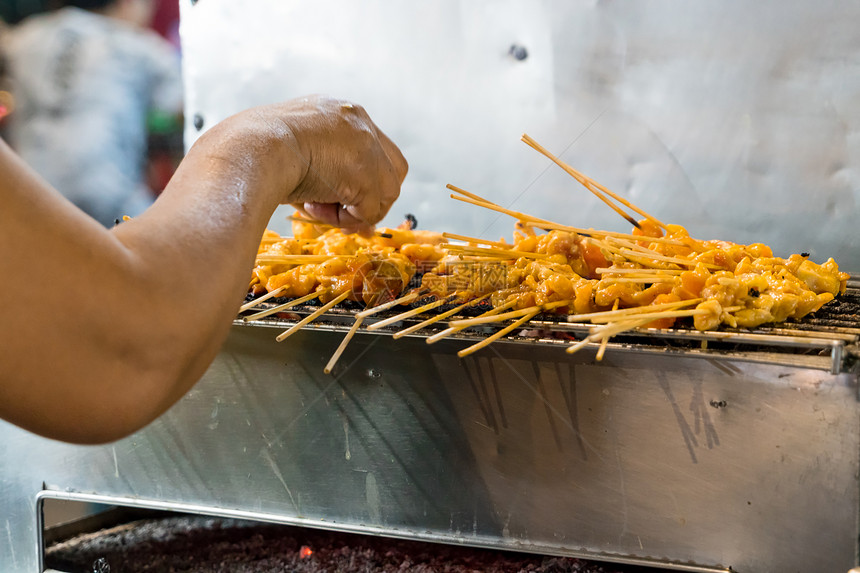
(88, 80)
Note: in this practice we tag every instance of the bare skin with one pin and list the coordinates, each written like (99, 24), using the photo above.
(103, 330)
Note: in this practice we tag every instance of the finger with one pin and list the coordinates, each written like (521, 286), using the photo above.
(337, 215)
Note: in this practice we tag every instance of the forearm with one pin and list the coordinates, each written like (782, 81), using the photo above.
(149, 302)
(102, 330)
(196, 245)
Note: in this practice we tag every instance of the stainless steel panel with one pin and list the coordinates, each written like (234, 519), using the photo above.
(699, 464)
(737, 119)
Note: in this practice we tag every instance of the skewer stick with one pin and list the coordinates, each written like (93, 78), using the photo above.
(625, 312)
(467, 322)
(659, 257)
(662, 314)
(515, 214)
(410, 313)
(334, 357)
(511, 253)
(639, 280)
(498, 244)
(469, 195)
(265, 297)
(597, 232)
(265, 258)
(605, 340)
(497, 335)
(286, 305)
(451, 330)
(590, 184)
(402, 300)
(581, 178)
(438, 317)
(620, 270)
(340, 298)
(605, 332)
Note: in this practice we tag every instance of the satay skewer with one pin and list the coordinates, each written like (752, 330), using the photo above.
(495, 336)
(544, 224)
(476, 240)
(321, 310)
(600, 233)
(639, 280)
(481, 202)
(265, 258)
(467, 322)
(608, 314)
(610, 329)
(451, 330)
(480, 251)
(412, 312)
(624, 312)
(265, 297)
(605, 332)
(469, 194)
(590, 184)
(439, 317)
(336, 356)
(286, 305)
(604, 342)
(385, 306)
(622, 270)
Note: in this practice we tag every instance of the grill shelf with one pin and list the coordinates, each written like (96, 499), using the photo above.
(826, 340)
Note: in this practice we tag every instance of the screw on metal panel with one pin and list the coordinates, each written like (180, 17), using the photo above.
(198, 121)
(518, 52)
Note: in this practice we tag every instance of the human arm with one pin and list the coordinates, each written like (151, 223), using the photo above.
(103, 330)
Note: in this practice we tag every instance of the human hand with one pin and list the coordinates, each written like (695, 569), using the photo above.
(352, 171)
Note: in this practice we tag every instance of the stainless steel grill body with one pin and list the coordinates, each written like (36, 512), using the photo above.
(693, 461)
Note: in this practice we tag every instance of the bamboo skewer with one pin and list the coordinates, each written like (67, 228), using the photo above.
(480, 251)
(604, 342)
(590, 184)
(467, 322)
(487, 341)
(402, 300)
(624, 312)
(265, 258)
(340, 298)
(606, 332)
(438, 317)
(497, 244)
(664, 258)
(411, 313)
(265, 297)
(655, 315)
(451, 330)
(336, 356)
(612, 328)
(493, 207)
(286, 305)
(544, 224)
(598, 232)
(620, 270)
(639, 280)
(469, 195)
